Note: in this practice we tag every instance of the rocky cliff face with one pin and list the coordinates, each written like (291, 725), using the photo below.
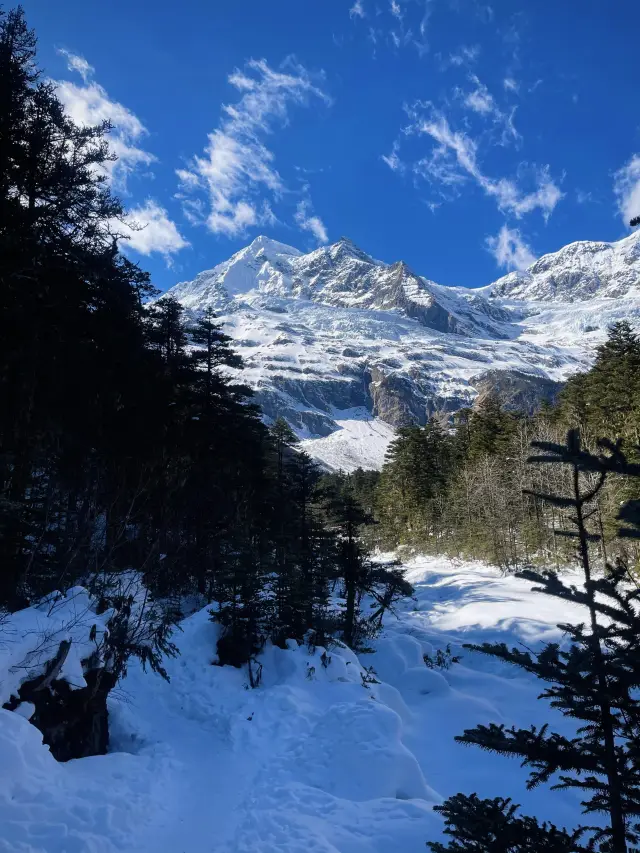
(334, 336)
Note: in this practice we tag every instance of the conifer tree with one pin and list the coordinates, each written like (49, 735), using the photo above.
(594, 681)
(490, 428)
(346, 517)
(493, 826)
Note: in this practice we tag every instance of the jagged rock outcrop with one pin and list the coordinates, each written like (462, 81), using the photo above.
(518, 392)
(395, 399)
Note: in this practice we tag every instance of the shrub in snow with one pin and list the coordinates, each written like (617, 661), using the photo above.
(442, 659)
(61, 657)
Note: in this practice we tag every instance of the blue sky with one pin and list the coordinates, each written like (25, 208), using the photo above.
(462, 136)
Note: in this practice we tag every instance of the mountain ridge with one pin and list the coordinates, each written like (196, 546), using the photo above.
(334, 338)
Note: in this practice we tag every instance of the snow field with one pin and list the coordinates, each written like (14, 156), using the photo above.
(310, 762)
(359, 442)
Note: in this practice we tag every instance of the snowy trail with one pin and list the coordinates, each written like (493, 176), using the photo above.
(197, 786)
(312, 761)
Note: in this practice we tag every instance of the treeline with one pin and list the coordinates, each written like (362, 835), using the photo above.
(130, 461)
(466, 488)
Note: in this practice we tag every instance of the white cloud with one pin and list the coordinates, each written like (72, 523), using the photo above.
(308, 221)
(78, 63)
(149, 230)
(480, 100)
(400, 35)
(89, 104)
(584, 197)
(147, 226)
(454, 160)
(627, 189)
(465, 55)
(509, 249)
(511, 84)
(393, 160)
(395, 10)
(236, 165)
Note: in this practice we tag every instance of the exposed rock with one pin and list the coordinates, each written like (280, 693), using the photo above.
(396, 400)
(74, 722)
(518, 392)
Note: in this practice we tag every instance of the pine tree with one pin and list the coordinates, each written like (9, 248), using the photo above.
(595, 680)
(492, 826)
(346, 517)
(614, 384)
(412, 488)
(490, 428)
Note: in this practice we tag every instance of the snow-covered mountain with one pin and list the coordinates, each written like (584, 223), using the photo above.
(347, 347)
(578, 272)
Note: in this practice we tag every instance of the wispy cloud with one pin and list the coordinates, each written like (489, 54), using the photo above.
(510, 84)
(584, 197)
(396, 11)
(479, 100)
(454, 160)
(510, 250)
(307, 220)
(222, 187)
(89, 104)
(147, 226)
(627, 189)
(149, 230)
(393, 160)
(407, 29)
(466, 55)
(77, 63)
(399, 35)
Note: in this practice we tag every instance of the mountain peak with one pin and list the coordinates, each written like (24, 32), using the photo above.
(264, 243)
(345, 246)
(577, 272)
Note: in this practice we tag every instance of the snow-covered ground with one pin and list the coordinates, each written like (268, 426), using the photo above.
(359, 442)
(313, 761)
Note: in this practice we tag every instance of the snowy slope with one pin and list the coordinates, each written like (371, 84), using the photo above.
(358, 442)
(336, 330)
(577, 272)
(310, 761)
